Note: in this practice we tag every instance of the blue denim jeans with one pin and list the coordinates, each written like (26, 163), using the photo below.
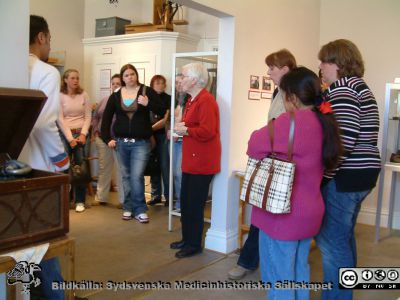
(79, 152)
(163, 158)
(132, 158)
(249, 256)
(177, 171)
(51, 271)
(336, 238)
(284, 260)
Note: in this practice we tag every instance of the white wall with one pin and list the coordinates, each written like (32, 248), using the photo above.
(65, 19)
(262, 27)
(137, 11)
(200, 24)
(141, 11)
(13, 58)
(374, 27)
(14, 34)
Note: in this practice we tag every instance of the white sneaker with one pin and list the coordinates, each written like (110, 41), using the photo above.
(98, 201)
(80, 207)
(238, 272)
(142, 218)
(126, 215)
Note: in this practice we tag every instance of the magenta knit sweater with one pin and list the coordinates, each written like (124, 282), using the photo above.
(307, 209)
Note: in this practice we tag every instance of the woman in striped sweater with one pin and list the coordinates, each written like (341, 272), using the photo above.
(345, 188)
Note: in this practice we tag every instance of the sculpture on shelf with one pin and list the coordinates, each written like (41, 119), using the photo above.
(163, 18)
(167, 11)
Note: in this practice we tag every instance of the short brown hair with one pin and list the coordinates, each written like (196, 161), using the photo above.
(116, 75)
(64, 88)
(345, 55)
(156, 78)
(126, 67)
(281, 59)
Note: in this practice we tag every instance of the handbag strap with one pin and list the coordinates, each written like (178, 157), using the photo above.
(291, 136)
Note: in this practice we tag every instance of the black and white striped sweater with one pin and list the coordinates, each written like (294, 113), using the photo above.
(356, 111)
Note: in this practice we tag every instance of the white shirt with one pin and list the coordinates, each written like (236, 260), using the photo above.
(44, 150)
(277, 107)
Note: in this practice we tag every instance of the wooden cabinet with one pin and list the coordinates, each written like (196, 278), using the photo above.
(33, 208)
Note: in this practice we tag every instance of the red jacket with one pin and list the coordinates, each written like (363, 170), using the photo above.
(201, 149)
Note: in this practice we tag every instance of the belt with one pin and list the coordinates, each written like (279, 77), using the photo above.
(76, 130)
(130, 140)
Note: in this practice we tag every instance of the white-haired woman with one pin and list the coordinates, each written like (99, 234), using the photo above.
(201, 156)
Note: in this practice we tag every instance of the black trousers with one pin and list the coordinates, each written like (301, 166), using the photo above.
(194, 193)
(249, 255)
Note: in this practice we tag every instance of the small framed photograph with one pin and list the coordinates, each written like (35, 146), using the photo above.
(266, 95)
(105, 78)
(142, 74)
(254, 82)
(254, 95)
(267, 84)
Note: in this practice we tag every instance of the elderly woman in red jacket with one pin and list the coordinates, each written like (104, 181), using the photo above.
(201, 156)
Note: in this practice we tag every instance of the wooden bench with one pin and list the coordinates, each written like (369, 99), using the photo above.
(61, 247)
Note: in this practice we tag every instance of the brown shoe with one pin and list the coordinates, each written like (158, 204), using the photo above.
(154, 201)
(177, 245)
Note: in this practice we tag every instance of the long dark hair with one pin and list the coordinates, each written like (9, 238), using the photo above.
(126, 67)
(305, 85)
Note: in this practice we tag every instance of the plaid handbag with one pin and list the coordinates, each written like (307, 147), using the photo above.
(268, 182)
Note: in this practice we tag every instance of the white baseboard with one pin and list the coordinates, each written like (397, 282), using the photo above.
(221, 241)
(368, 215)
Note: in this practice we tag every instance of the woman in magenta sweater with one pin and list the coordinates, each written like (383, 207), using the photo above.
(284, 239)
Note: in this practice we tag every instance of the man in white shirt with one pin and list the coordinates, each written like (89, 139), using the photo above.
(44, 150)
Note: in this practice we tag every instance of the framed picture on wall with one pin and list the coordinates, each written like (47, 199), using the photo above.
(142, 74)
(254, 82)
(267, 84)
(105, 78)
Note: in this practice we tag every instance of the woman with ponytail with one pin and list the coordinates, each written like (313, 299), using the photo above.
(284, 240)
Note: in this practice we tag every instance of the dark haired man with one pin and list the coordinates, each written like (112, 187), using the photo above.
(44, 150)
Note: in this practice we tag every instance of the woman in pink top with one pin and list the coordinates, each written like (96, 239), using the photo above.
(74, 122)
(284, 239)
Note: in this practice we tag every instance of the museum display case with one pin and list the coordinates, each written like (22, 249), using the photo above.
(390, 155)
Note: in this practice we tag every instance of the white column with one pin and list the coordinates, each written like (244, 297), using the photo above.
(223, 233)
(14, 36)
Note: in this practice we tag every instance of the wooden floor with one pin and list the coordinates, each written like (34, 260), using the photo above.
(110, 249)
